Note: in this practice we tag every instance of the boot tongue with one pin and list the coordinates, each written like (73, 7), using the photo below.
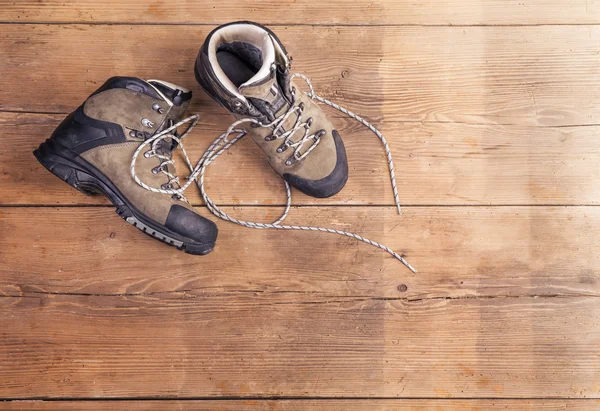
(179, 97)
(175, 94)
(263, 90)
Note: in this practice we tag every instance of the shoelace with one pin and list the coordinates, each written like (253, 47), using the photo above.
(277, 126)
(163, 167)
(153, 147)
(222, 144)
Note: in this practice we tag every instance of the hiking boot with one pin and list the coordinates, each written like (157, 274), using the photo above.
(92, 150)
(244, 67)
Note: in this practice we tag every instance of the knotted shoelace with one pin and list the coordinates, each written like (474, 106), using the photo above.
(222, 144)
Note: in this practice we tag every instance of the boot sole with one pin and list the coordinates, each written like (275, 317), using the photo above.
(83, 176)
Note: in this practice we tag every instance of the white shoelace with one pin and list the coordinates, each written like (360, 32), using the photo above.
(222, 144)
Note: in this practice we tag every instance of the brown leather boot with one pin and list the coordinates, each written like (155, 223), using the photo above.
(245, 67)
(92, 150)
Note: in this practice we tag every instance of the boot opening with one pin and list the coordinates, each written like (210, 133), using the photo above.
(241, 53)
(239, 61)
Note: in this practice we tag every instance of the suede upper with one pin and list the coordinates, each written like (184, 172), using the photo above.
(232, 53)
(108, 128)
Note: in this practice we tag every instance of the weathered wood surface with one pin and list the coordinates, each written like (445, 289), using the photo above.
(459, 252)
(361, 12)
(247, 344)
(492, 110)
(437, 164)
(309, 405)
(546, 75)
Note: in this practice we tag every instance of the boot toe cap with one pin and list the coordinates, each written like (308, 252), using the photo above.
(200, 232)
(329, 185)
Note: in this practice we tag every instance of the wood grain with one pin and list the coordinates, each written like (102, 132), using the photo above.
(492, 110)
(459, 252)
(182, 345)
(309, 405)
(437, 164)
(362, 12)
(545, 76)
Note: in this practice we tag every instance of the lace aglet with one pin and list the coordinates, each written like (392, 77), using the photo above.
(410, 267)
(399, 209)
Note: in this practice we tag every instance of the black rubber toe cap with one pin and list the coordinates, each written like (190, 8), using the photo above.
(327, 186)
(201, 232)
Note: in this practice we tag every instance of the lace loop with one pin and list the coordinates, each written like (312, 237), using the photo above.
(153, 144)
(222, 144)
(279, 133)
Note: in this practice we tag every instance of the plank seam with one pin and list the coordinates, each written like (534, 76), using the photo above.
(287, 398)
(339, 299)
(117, 23)
(423, 122)
(300, 205)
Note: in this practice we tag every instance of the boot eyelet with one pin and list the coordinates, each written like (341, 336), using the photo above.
(148, 154)
(269, 138)
(156, 170)
(291, 160)
(176, 197)
(301, 106)
(156, 107)
(309, 122)
(132, 134)
(166, 186)
(147, 123)
(282, 148)
(238, 106)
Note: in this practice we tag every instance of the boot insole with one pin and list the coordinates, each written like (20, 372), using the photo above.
(234, 67)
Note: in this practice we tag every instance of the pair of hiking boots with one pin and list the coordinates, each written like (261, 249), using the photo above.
(120, 142)
(245, 68)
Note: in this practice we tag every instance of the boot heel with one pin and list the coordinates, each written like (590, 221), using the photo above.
(48, 155)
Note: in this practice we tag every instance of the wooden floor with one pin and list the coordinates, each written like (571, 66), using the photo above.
(492, 110)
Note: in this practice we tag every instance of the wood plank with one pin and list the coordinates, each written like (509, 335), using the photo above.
(254, 345)
(330, 405)
(547, 75)
(427, 12)
(460, 252)
(436, 163)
